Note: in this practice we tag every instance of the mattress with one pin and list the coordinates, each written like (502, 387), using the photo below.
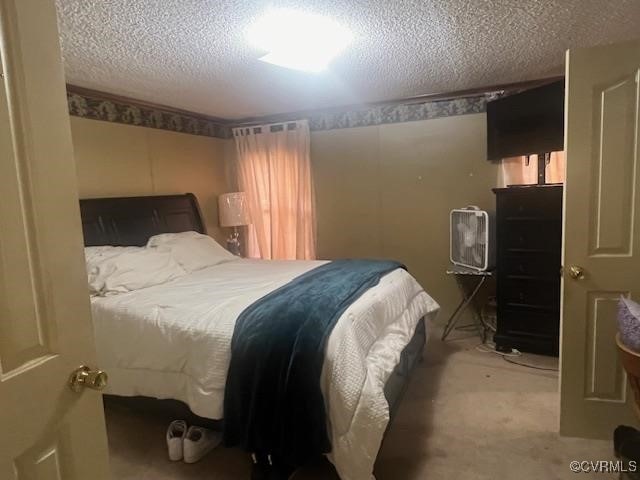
(173, 341)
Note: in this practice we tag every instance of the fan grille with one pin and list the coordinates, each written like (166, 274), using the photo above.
(469, 238)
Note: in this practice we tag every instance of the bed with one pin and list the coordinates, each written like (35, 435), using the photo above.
(171, 341)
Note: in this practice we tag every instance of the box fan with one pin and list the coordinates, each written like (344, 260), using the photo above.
(472, 238)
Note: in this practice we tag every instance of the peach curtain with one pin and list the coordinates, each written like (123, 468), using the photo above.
(274, 171)
(515, 171)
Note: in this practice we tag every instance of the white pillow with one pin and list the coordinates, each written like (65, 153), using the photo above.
(192, 250)
(113, 270)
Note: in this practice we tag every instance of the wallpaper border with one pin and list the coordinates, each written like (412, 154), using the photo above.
(129, 112)
(92, 104)
(397, 113)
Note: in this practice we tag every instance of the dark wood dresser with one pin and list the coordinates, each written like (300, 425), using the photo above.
(528, 255)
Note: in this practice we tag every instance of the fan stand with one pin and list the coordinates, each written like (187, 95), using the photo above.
(467, 299)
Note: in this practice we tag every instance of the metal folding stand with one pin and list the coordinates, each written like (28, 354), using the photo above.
(467, 298)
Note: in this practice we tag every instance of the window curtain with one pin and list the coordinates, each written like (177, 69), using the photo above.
(516, 171)
(274, 171)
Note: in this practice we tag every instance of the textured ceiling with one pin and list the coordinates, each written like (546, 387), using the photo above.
(192, 54)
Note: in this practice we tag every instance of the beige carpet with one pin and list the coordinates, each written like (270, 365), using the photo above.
(466, 415)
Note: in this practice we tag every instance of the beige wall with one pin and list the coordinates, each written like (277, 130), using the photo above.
(383, 191)
(117, 160)
(386, 191)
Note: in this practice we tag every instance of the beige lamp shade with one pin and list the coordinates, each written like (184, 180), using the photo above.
(233, 211)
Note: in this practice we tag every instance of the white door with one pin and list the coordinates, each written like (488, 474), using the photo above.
(48, 431)
(601, 234)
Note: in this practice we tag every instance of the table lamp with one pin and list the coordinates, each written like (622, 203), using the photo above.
(233, 211)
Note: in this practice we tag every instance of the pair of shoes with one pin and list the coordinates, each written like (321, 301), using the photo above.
(261, 469)
(267, 468)
(626, 442)
(622, 434)
(190, 444)
(626, 445)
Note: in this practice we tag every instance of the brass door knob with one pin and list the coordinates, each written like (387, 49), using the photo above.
(576, 272)
(84, 376)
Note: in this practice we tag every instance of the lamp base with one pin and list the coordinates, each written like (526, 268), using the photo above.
(233, 243)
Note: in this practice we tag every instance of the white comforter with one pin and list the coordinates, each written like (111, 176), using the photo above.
(173, 341)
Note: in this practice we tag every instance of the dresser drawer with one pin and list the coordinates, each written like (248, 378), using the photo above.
(527, 203)
(528, 323)
(540, 295)
(534, 266)
(530, 236)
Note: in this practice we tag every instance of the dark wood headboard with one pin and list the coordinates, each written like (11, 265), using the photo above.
(124, 221)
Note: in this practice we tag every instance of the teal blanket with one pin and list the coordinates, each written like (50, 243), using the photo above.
(273, 401)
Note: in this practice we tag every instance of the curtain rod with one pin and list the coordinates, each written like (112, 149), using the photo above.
(269, 125)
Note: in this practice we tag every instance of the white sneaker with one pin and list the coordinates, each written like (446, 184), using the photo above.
(176, 434)
(198, 442)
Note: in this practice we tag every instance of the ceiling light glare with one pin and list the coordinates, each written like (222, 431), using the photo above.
(299, 40)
